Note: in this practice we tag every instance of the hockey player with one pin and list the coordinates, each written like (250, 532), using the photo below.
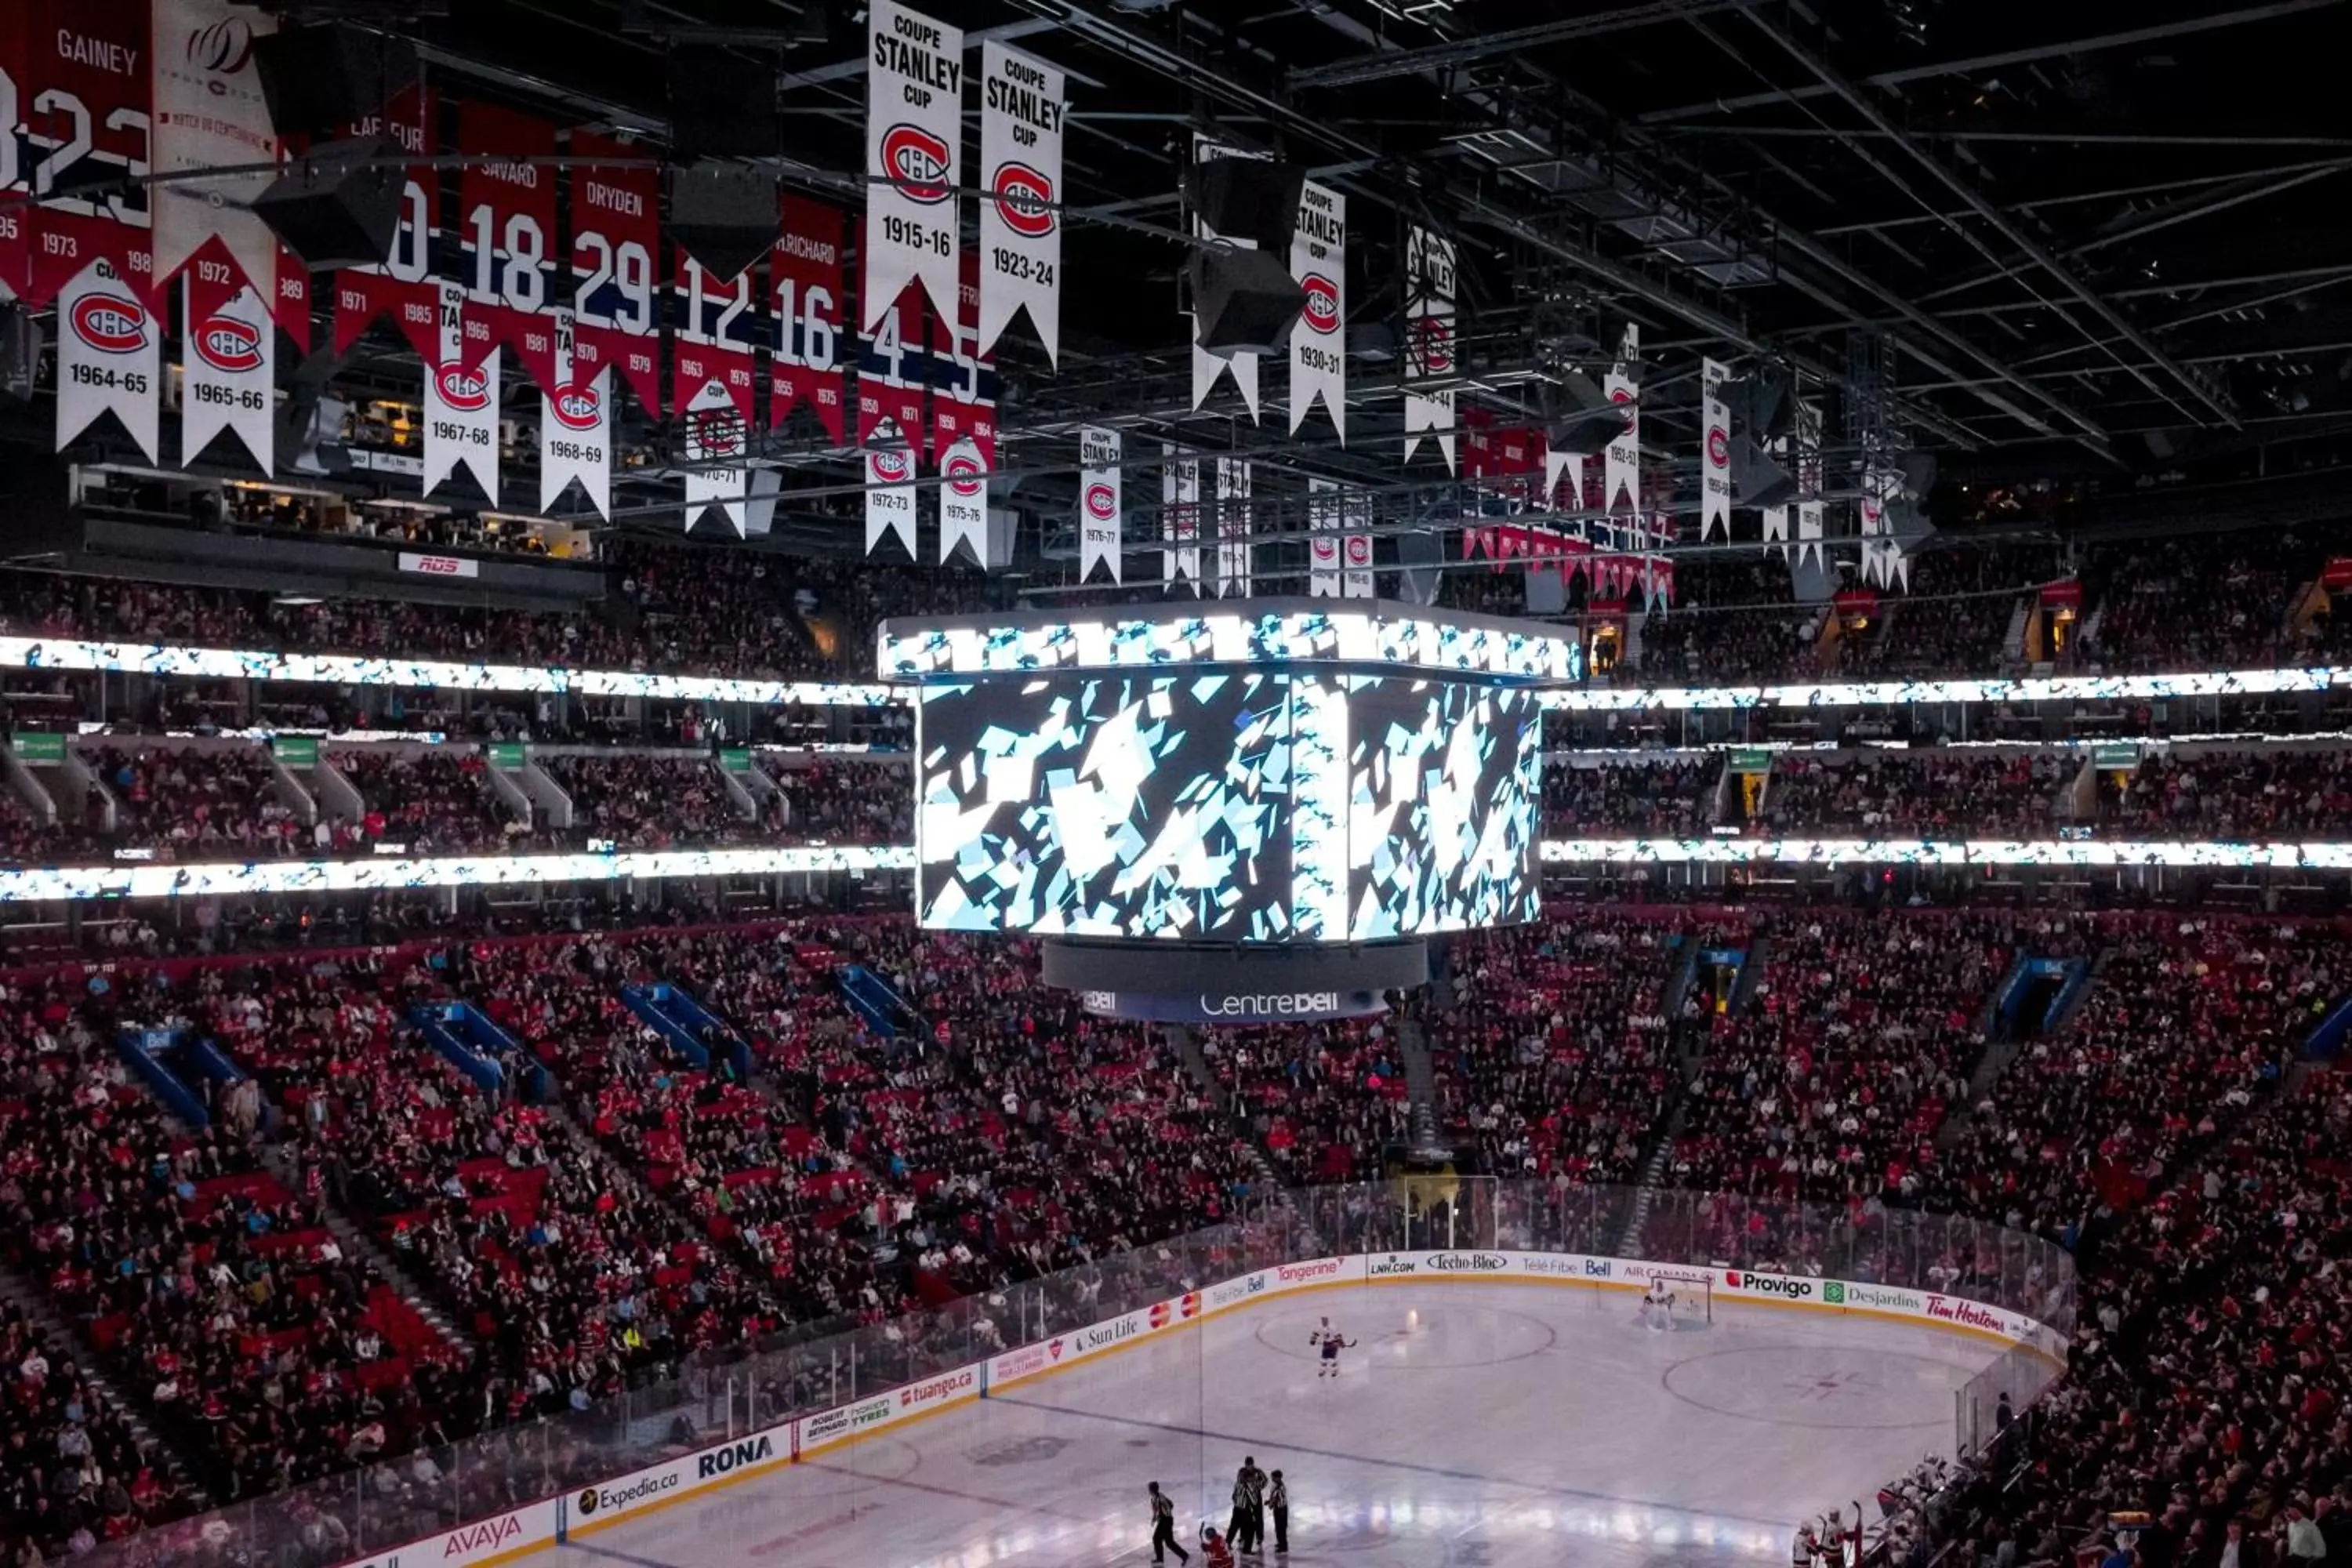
(1332, 1343)
(1657, 1307)
(1278, 1498)
(1163, 1528)
(1215, 1553)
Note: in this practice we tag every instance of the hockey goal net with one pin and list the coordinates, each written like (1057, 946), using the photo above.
(1694, 1300)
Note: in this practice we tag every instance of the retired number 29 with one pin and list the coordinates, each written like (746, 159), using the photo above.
(917, 236)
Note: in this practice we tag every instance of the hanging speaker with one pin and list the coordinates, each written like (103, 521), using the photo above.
(319, 79)
(1244, 301)
(1583, 419)
(723, 215)
(1756, 479)
(340, 207)
(722, 103)
(1248, 198)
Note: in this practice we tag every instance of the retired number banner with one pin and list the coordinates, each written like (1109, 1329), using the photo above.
(85, 117)
(808, 369)
(914, 157)
(403, 287)
(1429, 340)
(1099, 503)
(717, 339)
(507, 229)
(616, 250)
(13, 93)
(1020, 109)
(894, 370)
(1319, 338)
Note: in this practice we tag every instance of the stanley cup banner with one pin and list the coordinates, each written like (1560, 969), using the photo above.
(1355, 546)
(461, 404)
(210, 114)
(83, 107)
(913, 158)
(1180, 518)
(1233, 528)
(1323, 505)
(1319, 338)
(1207, 366)
(1429, 339)
(403, 286)
(1714, 454)
(1021, 108)
(575, 427)
(1099, 503)
(226, 377)
(1809, 480)
(615, 265)
(1620, 474)
(506, 229)
(714, 431)
(963, 502)
(808, 369)
(889, 489)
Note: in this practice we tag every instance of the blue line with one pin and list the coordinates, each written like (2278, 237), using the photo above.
(1262, 1440)
(618, 1557)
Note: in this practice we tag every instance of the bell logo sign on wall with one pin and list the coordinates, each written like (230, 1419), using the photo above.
(1319, 345)
(1099, 503)
(913, 113)
(227, 375)
(1020, 114)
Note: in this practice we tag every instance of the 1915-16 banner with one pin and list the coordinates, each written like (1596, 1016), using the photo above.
(913, 158)
(1021, 111)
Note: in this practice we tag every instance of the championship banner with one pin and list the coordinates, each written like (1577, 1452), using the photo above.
(963, 502)
(1207, 366)
(575, 425)
(893, 371)
(1429, 339)
(1622, 464)
(807, 370)
(1323, 504)
(714, 428)
(1021, 111)
(1715, 451)
(1233, 528)
(914, 159)
(1319, 338)
(889, 492)
(1776, 518)
(1808, 423)
(227, 375)
(1180, 518)
(110, 356)
(616, 243)
(1564, 468)
(1100, 488)
(403, 287)
(461, 404)
(1356, 581)
(716, 337)
(506, 234)
(210, 114)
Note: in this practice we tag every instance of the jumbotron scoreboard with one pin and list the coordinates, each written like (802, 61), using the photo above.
(1280, 795)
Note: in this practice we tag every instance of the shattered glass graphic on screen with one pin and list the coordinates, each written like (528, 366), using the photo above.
(1119, 806)
(1443, 778)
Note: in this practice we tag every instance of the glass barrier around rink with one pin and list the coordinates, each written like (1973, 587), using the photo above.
(712, 1394)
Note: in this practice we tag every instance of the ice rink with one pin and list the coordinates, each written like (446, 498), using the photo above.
(1500, 1425)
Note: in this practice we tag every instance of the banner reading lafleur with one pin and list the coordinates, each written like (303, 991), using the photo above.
(913, 158)
(1021, 111)
(227, 375)
(403, 286)
(1318, 340)
(1429, 339)
(1099, 503)
(575, 427)
(1714, 454)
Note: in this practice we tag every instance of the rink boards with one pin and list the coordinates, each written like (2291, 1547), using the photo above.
(584, 1512)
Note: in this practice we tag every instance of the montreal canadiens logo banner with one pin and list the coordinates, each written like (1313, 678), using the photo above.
(1318, 340)
(889, 489)
(615, 263)
(110, 356)
(715, 432)
(209, 113)
(1429, 340)
(1207, 366)
(461, 404)
(575, 427)
(1356, 581)
(1021, 108)
(963, 502)
(1715, 457)
(1233, 528)
(1323, 538)
(1099, 503)
(914, 157)
(1809, 478)
(808, 369)
(1621, 472)
(505, 200)
(227, 373)
(1180, 518)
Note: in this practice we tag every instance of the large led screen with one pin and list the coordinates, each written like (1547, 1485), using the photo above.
(1113, 806)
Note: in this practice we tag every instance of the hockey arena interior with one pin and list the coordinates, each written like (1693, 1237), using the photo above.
(1050, 784)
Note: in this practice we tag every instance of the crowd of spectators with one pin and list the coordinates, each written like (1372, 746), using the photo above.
(1671, 797)
(1920, 794)
(1325, 1101)
(431, 801)
(1735, 623)
(1953, 615)
(216, 803)
(2249, 796)
(2195, 604)
(843, 802)
(642, 802)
